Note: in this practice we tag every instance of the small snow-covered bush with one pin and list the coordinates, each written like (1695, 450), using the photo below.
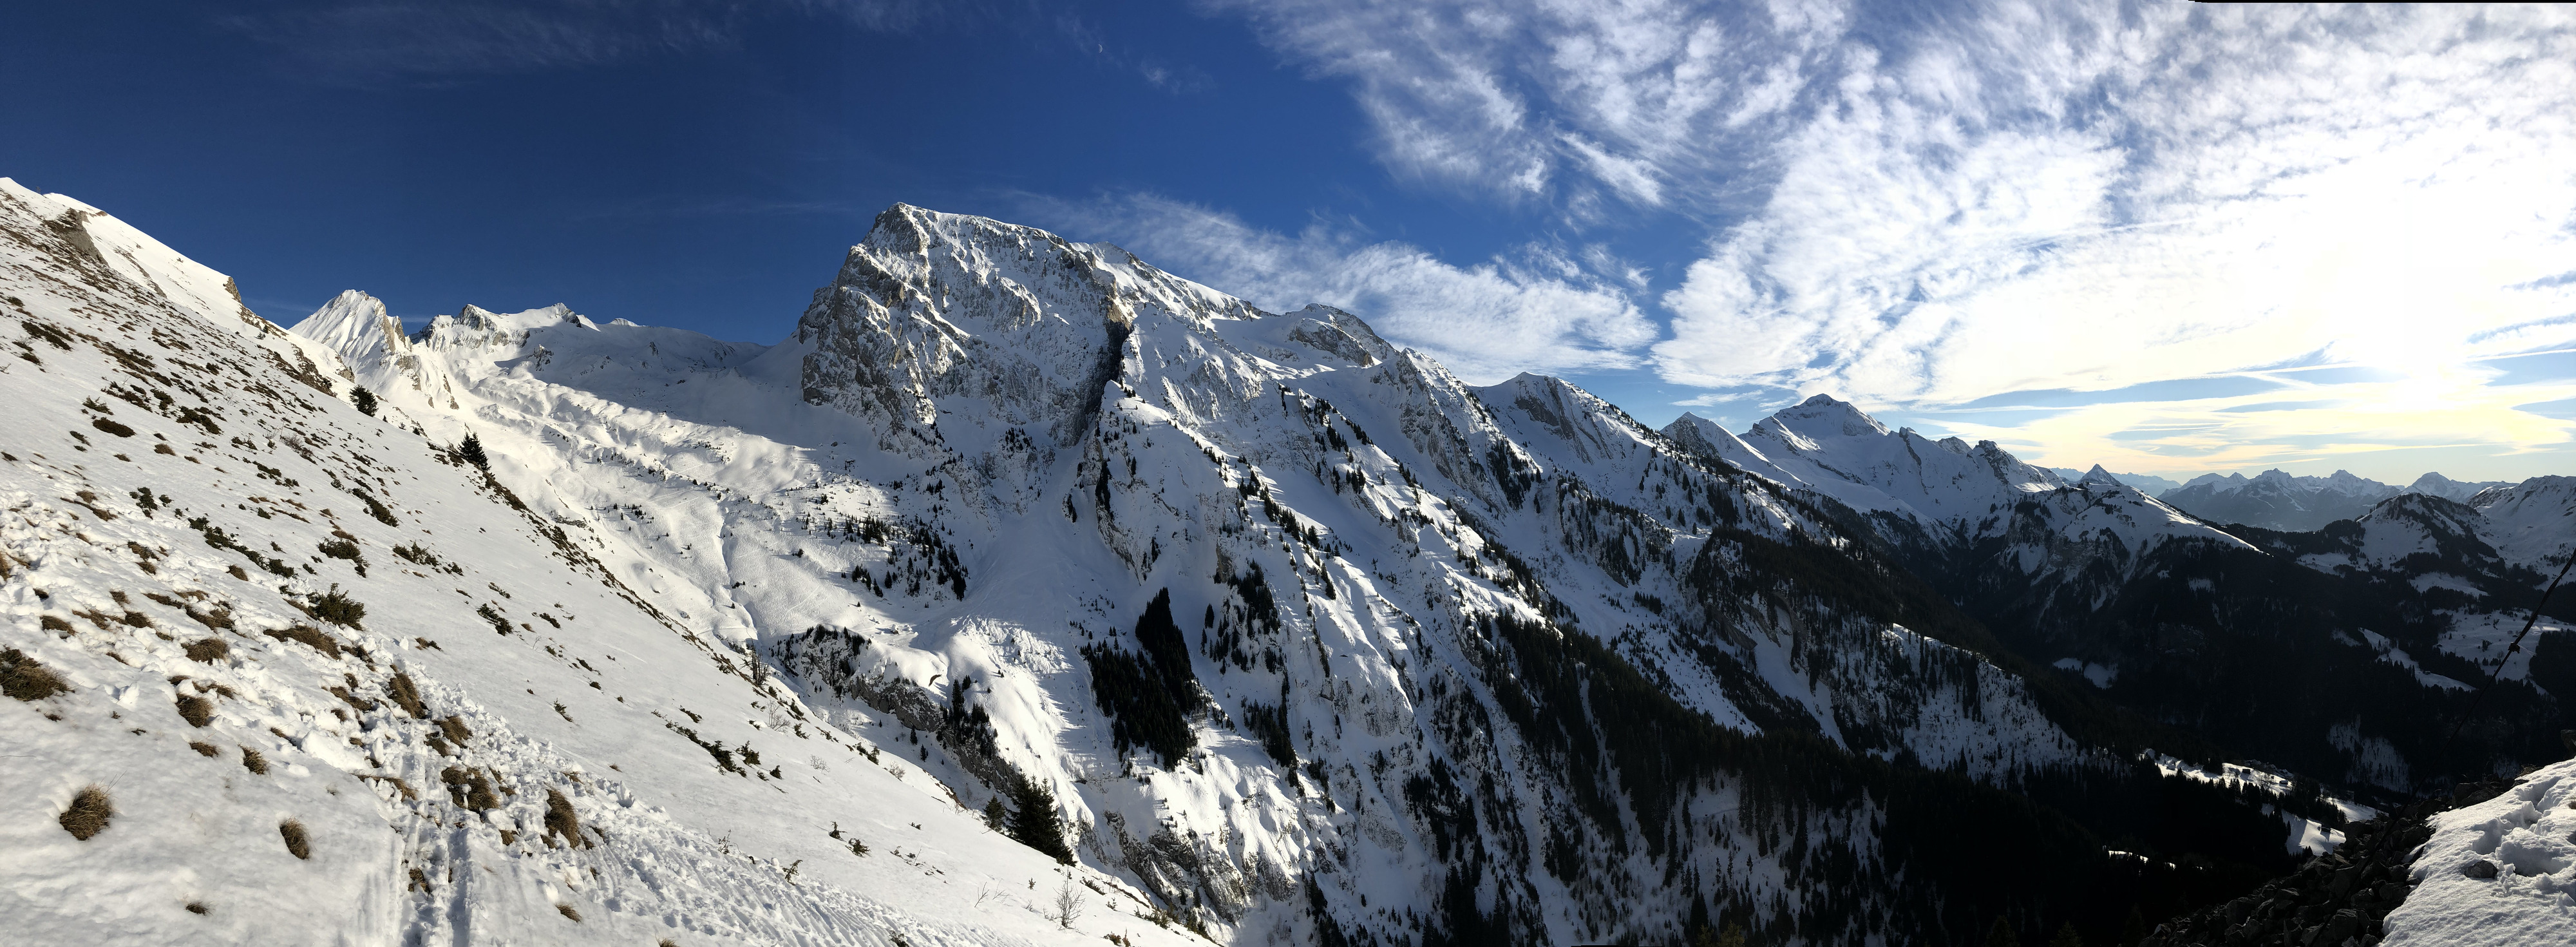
(337, 608)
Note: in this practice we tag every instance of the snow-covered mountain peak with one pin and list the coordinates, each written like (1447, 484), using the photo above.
(2529, 522)
(474, 326)
(1822, 417)
(2449, 489)
(2343, 481)
(2099, 477)
(356, 326)
(2227, 481)
(932, 307)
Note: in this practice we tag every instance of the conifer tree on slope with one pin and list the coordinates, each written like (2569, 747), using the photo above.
(1033, 820)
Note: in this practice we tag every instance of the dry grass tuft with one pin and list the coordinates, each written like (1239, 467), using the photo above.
(454, 728)
(296, 842)
(196, 710)
(25, 679)
(209, 650)
(207, 750)
(88, 813)
(569, 912)
(468, 788)
(252, 761)
(312, 637)
(407, 695)
(562, 820)
(54, 623)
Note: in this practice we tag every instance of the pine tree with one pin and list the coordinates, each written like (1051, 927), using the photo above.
(364, 400)
(1731, 936)
(2135, 930)
(2067, 937)
(2002, 935)
(1033, 821)
(472, 450)
(996, 816)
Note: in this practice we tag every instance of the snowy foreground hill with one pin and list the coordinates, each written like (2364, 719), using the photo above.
(599, 632)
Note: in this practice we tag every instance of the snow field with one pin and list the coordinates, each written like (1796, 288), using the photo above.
(2524, 836)
(579, 698)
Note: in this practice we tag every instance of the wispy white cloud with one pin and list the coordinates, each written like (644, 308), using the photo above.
(2457, 420)
(2154, 195)
(1920, 207)
(1538, 309)
(1570, 103)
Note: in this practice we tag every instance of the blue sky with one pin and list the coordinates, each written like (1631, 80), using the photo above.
(2166, 238)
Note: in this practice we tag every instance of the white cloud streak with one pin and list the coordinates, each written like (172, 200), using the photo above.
(1582, 105)
(1536, 310)
(1919, 207)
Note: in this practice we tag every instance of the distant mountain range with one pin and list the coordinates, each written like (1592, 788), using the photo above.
(2152, 484)
(2275, 499)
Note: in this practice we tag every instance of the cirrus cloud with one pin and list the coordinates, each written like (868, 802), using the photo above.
(1918, 208)
(1539, 309)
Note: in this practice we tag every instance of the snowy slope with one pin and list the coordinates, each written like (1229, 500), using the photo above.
(495, 746)
(2532, 523)
(1073, 426)
(2498, 872)
(1308, 641)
